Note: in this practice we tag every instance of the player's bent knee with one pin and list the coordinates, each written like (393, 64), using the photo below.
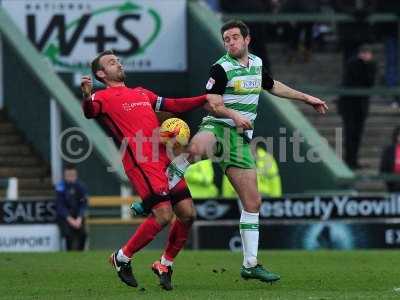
(196, 151)
(188, 218)
(253, 205)
(163, 215)
(164, 219)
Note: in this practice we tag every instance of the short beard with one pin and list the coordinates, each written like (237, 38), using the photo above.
(121, 76)
(241, 54)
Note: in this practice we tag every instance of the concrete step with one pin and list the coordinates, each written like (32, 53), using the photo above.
(26, 172)
(371, 118)
(367, 139)
(373, 163)
(375, 109)
(370, 186)
(13, 150)
(370, 152)
(7, 128)
(35, 183)
(314, 71)
(382, 117)
(36, 193)
(368, 131)
(10, 139)
(18, 161)
(33, 194)
(336, 121)
(390, 126)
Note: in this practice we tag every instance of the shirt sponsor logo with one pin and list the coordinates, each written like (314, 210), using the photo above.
(252, 84)
(210, 83)
(128, 106)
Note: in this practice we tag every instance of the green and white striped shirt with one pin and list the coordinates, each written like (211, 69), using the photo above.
(240, 87)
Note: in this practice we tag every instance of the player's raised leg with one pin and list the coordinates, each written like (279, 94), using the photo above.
(201, 145)
(245, 183)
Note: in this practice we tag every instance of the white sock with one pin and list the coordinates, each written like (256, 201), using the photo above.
(249, 234)
(166, 262)
(176, 169)
(122, 257)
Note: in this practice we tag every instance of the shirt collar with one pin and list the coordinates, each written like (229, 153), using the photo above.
(251, 60)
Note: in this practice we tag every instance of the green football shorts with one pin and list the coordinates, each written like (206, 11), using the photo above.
(232, 149)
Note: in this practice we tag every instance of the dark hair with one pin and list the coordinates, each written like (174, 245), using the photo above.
(365, 48)
(69, 167)
(244, 30)
(96, 66)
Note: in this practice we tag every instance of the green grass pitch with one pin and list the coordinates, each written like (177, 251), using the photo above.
(204, 275)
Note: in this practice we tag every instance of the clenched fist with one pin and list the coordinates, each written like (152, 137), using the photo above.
(86, 86)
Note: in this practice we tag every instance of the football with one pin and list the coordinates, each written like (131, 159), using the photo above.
(174, 132)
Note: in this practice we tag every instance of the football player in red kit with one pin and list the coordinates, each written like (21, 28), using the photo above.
(129, 115)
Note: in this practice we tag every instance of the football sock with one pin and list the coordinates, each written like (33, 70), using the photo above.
(177, 237)
(143, 235)
(122, 257)
(176, 169)
(166, 262)
(249, 234)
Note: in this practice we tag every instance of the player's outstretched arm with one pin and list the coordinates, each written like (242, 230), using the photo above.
(281, 90)
(212, 103)
(90, 107)
(174, 105)
(215, 105)
(180, 105)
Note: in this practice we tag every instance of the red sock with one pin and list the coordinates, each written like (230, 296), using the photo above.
(178, 234)
(143, 235)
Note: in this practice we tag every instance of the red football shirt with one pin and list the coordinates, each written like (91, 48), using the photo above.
(129, 115)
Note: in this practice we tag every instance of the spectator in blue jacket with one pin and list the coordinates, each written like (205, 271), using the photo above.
(71, 204)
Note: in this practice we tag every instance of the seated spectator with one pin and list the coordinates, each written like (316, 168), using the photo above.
(390, 161)
(71, 203)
